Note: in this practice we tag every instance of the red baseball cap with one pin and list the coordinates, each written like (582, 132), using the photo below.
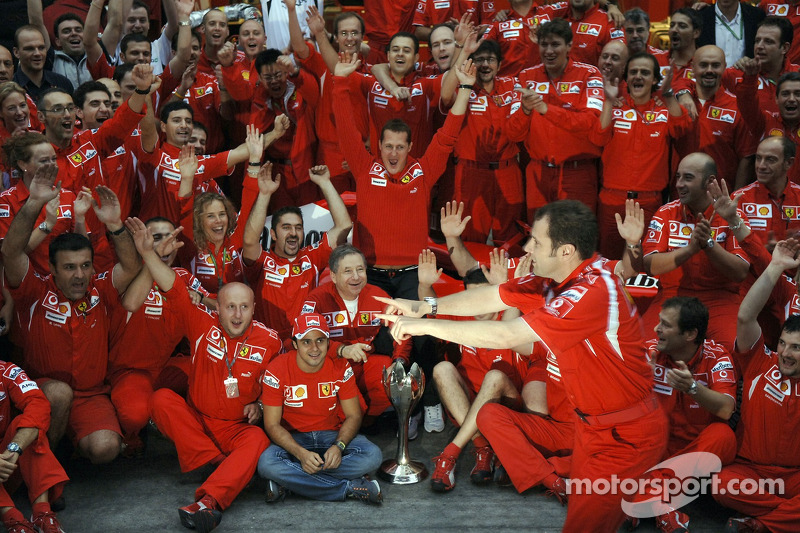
(310, 321)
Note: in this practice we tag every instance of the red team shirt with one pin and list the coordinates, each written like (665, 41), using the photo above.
(432, 12)
(712, 366)
(403, 197)
(765, 90)
(574, 103)
(17, 390)
(213, 350)
(590, 33)
(766, 213)
(770, 403)
(594, 330)
(66, 340)
(790, 10)
(513, 35)
(310, 401)
(484, 136)
(281, 285)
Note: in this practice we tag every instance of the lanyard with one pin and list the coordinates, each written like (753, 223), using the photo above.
(242, 351)
(220, 273)
(741, 28)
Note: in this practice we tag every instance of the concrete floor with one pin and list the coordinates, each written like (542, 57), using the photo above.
(143, 494)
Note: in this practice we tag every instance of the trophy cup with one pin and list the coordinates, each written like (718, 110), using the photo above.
(404, 390)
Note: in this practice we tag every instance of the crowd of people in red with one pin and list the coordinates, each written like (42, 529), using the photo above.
(157, 268)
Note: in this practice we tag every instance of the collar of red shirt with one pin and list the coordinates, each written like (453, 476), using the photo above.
(588, 13)
(579, 271)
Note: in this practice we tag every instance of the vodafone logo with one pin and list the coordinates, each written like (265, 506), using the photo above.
(673, 227)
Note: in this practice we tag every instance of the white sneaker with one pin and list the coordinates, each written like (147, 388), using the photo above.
(434, 418)
(413, 426)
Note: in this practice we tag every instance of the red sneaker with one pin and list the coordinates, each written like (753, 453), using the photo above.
(443, 478)
(46, 523)
(745, 525)
(484, 462)
(19, 526)
(673, 522)
(203, 515)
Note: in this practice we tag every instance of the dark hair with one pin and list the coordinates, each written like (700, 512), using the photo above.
(68, 242)
(709, 168)
(347, 15)
(557, 27)
(792, 324)
(692, 314)
(789, 148)
(783, 24)
(63, 18)
(160, 219)
(489, 46)
(195, 35)
(692, 14)
(49, 91)
(18, 147)
(448, 25)
(289, 209)
(398, 126)
(200, 126)
(266, 57)
(177, 105)
(786, 76)
(26, 27)
(654, 64)
(340, 252)
(133, 38)
(637, 15)
(79, 96)
(570, 222)
(474, 277)
(404, 34)
(139, 4)
(121, 70)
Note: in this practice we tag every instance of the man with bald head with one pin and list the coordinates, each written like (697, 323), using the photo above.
(613, 59)
(218, 421)
(693, 252)
(720, 129)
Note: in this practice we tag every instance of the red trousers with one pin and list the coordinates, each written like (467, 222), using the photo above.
(524, 441)
(38, 467)
(545, 183)
(369, 378)
(778, 512)
(612, 201)
(625, 450)
(200, 439)
(493, 197)
(717, 438)
(131, 391)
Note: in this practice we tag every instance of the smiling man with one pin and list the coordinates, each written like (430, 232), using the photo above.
(770, 406)
(217, 423)
(694, 252)
(31, 51)
(306, 391)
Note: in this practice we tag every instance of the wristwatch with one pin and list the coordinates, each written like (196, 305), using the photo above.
(692, 389)
(44, 228)
(13, 447)
(710, 243)
(341, 445)
(434, 303)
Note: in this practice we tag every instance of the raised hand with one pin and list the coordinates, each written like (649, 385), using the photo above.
(187, 161)
(346, 66)
(427, 273)
(43, 187)
(724, 205)
(319, 174)
(226, 54)
(785, 254)
(82, 204)
(255, 143)
(142, 76)
(451, 223)
(280, 126)
(524, 266)
(632, 228)
(166, 246)
(497, 273)
(466, 73)
(142, 237)
(611, 88)
(266, 183)
(107, 210)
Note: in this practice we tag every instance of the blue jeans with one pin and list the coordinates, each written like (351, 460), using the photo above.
(360, 457)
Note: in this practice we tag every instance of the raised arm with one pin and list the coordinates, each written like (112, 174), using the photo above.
(42, 189)
(108, 212)
(142, 238)
(296, 40)
(427, 274)
(35, 18)
(171, 11)
(183, 49)
(267, 186)
(784, 257)
(631, 230)
(316, 24)
(453, 225)
(92, 27)
(342, 224)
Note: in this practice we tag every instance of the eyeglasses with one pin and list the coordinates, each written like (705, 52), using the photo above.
(59, 109)
(481, 60)
(352, 34)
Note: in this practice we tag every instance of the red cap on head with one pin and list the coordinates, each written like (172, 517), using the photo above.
(310, 321)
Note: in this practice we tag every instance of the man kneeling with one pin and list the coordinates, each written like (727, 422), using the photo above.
(313, 452)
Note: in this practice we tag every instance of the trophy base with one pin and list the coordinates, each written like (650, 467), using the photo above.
(398, 474)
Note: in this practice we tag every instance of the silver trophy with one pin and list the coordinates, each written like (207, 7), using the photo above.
(404, 390)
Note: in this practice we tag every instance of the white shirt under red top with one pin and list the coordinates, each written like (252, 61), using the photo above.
(310, 401)
(213, 352)
(66, 340)
(711, 366)
(403, 198)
